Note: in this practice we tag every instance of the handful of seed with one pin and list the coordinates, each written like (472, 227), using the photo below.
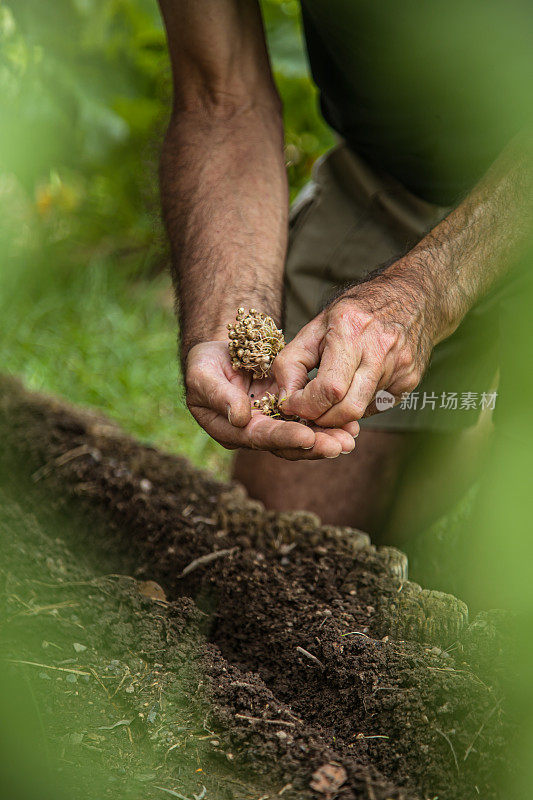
(254, 342)
(270, 406)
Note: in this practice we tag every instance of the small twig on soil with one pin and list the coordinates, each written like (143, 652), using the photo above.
(172, 792)
(392, 689)
(92, 582)
(357, 633)
(267, 721)
(46, 469)
(201, 561)
(489, 715)
(48, 666)
(34, 611)
(452, 748)
(119, 724)
(296, 719)
(311, 657)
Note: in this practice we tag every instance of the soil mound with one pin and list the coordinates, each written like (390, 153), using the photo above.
(330, 671)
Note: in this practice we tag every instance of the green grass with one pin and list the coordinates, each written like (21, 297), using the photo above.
(101, 339)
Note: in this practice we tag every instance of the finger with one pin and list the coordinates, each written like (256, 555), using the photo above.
(326, 446)
(315, 454)
(357, 399)
(291, 366)
(298, 455)
(335, 374)
(266, 433)
(261, 433)
(346, 441)
(352, 428)
(214, 391)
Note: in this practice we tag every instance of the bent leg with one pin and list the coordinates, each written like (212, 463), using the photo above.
(355, 490)
(393, 485)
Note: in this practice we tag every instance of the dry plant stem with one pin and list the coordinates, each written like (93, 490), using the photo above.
(311, 657)
(201, 561)
(254, 342)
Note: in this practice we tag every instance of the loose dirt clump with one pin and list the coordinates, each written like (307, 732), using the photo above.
(322, 660)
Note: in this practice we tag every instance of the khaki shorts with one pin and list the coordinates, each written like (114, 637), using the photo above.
(345, 223)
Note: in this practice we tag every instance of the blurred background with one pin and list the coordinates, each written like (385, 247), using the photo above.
(85, 298)
(85, 302)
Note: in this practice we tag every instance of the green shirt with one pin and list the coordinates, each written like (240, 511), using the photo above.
(428, 90)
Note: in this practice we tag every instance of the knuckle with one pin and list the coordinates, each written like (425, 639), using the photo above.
(413, 380)
(361, 321)
(193, 377)
(347, 320)
(332, 391)
(280, 365)
(356, 409)
(380, 342)
(388, 340)
(405, 359)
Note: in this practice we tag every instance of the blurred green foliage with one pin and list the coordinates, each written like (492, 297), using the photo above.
(84, 95)
(85, 92)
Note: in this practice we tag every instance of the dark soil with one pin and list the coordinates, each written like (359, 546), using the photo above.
(318, 650)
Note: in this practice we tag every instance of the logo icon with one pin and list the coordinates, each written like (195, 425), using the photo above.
(384, 400)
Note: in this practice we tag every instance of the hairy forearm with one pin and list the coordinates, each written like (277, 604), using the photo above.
(458, 261)
(225, 203)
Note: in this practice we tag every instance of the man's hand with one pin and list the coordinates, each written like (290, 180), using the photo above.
(380, 334)
(220, 399)
(377, 335)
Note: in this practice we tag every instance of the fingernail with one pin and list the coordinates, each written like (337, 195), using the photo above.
(228, 412)
(282, 395)
(346, 452)
(338, 454)
(308, 448)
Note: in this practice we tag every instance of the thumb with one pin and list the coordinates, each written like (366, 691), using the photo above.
(209, 387)
(301, 355)
(237, 406)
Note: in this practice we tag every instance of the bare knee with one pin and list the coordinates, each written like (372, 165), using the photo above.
(355, 489)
